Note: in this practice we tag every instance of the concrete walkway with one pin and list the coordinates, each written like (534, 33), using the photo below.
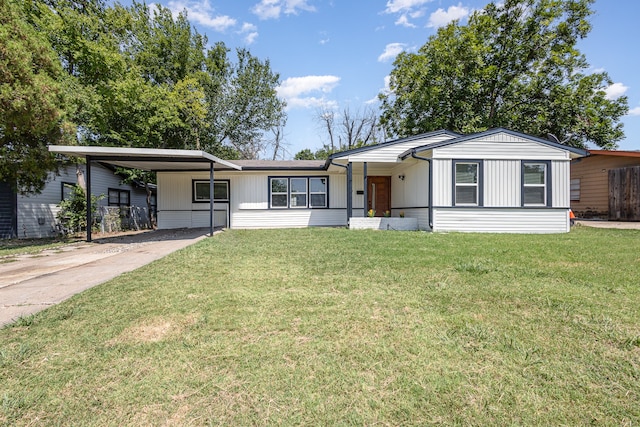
(30, 283)
(626, 225)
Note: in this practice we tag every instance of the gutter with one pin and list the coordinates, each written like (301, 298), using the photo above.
(428, 160)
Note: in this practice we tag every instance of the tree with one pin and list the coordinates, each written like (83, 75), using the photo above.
(305, 154)
(242, 101)
(516, 65)
(351, 130)
(33, 106)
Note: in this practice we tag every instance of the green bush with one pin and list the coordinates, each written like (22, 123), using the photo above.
(73, 210)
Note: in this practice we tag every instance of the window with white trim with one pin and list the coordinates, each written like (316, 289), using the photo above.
(535, 179)
(279, 192)
(298, 192)
(201, 191)
(466, 183)
(298, 198)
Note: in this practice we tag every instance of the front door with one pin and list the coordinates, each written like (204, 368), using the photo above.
(379, 194)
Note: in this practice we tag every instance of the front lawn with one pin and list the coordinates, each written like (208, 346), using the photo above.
(330, 326)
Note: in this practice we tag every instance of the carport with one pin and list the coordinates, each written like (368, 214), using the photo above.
(149, 159)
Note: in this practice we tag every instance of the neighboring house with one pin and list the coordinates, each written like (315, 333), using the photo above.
(590, 192)
(35, 215)
(493, 181)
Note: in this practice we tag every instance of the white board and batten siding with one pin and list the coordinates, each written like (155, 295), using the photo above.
(501, 184)
(411, 194)
(502, 155)
(37, 213)
(250, 202)
(390, 153)
(502, 146)
(175, 202)
(248, 206)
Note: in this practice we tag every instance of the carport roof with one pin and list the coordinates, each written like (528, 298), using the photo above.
(153, 159)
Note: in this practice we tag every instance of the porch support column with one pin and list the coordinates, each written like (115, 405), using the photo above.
(211, 210)
(88, 195)
(349, 191)
(366, 189)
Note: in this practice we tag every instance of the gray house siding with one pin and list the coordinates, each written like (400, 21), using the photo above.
(7, 211)
(36, 214)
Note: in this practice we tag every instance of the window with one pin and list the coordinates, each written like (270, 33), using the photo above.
(575, 190)
(318, 192)
(467, 183)
(201, 191)
(67, 190)
(279, 192)
(119, 197)
(535, 180)
(298, 192)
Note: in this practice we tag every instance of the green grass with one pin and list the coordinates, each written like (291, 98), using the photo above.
(329, 326)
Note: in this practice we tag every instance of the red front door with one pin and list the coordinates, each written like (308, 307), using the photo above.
(379, 194)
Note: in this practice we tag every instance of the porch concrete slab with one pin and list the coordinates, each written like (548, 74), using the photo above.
(30, 283)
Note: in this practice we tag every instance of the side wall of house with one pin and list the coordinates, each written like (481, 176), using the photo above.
(248, 205)
(37, 213)
(410, 191)
(7, 211)
(501, 209)
(591, 175)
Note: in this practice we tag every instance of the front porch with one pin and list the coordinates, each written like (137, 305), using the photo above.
(387, 195)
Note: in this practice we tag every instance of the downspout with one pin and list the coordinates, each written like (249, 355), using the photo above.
(428, 160)
(88, 196)
(349, 189)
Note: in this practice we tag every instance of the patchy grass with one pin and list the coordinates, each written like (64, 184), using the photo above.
(329, 326)
(11, 247)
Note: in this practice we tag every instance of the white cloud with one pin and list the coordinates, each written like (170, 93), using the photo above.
(391, 51)
(395, 6)
(203, 14)
(634, 112)
(312, 102)
(293, 90)
(386, 90)
(615, 91)
(250, 38)
(250, 32)
(404, 21)
(271, 9)
(248, 27)
(442, 17)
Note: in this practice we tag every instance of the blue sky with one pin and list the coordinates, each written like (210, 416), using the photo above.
(338, 53)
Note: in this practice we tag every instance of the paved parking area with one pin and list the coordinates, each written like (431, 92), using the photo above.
(30, 283)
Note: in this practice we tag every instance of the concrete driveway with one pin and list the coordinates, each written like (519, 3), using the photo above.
(30, 283)
(623, 225)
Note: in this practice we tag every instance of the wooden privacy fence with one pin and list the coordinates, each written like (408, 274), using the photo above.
(624, 194)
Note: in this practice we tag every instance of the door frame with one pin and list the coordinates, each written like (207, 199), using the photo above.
(371, 193)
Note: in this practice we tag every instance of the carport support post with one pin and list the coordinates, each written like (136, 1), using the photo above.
(349, 192)
(88, 194)
(211, 210)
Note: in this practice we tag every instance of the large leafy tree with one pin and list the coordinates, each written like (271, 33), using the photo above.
(516, 65)
(242, 101)
(33, 107)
